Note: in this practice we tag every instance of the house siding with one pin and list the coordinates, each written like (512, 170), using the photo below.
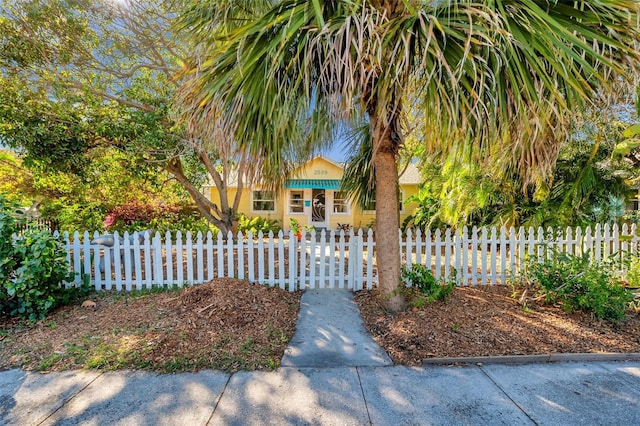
(317, 169)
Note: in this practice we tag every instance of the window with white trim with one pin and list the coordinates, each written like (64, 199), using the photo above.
(340, 202)
(263, 201)
(296, 202)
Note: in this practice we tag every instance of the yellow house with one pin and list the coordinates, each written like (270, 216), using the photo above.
(312, 196)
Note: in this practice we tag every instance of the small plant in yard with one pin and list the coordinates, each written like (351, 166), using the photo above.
(428, 287)
(295, 226)
(577, 283)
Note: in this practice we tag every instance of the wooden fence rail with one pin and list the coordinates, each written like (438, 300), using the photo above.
(330, 259)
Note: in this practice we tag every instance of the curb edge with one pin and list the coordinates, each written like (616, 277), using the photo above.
(531, 359)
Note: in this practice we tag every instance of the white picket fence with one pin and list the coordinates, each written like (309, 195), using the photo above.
(329, 260)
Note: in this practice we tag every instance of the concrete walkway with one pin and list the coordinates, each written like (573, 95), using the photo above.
(330, 333)
(333, 373)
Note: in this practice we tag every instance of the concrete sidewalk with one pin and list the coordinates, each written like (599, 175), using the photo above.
(543, 394)
(333, 373)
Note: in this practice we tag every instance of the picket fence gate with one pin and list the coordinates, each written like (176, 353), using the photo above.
(478, 256)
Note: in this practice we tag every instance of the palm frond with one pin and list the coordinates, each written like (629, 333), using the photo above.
(500, 72)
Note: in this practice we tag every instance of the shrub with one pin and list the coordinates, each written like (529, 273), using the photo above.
(431, 289)
(32, 268)
(576, 283)
(256, 224)
(137, 216)
(77, 217)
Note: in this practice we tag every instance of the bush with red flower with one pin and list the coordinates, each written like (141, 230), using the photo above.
(136, 216)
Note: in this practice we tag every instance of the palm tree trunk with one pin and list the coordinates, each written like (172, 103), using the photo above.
(387, 218)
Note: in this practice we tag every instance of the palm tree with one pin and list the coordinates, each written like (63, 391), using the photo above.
(498, 71)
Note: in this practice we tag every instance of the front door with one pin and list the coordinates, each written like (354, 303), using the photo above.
(318, 208)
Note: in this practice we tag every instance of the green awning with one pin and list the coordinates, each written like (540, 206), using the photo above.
(312, 183)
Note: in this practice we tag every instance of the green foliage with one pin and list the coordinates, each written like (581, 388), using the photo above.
(586, 185)
(98, 118)
(430, 289)
(633, 273)
(294, 225)
(256, 224)
(577, 283)
(33, 266)
(75, 216)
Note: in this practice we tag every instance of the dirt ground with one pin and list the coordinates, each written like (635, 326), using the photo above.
(226, 324)
(233, 325)
(486, 320)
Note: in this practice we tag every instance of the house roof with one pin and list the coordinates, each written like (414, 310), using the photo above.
(411, 176)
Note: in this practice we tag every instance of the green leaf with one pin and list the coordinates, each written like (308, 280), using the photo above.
(625, 147)
(632, 131)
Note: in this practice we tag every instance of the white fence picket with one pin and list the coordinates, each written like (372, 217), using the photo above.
(271, 280)
(282, 279)
(370, 245)
(179, 260)
(250, 257)
(332, 259)
(189, 257)
(117, 259)
(168, 250)
(292, 261)
(158, 272)
(342, 260)
(199, 258)
(260, 257)
(240, 256)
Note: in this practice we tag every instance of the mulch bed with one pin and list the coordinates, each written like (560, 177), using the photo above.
(482, 321)
(227, 324)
